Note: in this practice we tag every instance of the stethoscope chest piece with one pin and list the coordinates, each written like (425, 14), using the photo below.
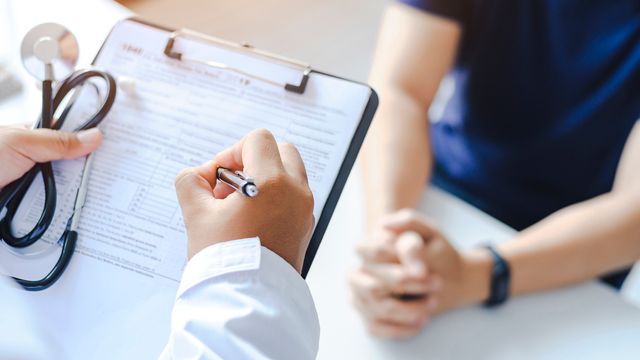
(49, 44)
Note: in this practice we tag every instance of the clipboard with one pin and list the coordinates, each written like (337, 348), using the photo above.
(120, 281)
(300, 87)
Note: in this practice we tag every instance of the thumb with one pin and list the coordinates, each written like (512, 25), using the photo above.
(410, 220)
(194, 185)
(42, 145)
(410, 248)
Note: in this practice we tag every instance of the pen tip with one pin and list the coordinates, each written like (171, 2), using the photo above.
(252, 190)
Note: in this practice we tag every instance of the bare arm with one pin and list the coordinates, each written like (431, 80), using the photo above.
(582, 241)
(415, 51)
(579, 242)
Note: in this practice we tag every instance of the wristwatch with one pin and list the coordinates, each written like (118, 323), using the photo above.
(500, 279)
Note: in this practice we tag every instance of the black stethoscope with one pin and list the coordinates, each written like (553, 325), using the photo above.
(49, 50)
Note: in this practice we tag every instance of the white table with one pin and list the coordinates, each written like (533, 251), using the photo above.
(586, 321)
(589, 321)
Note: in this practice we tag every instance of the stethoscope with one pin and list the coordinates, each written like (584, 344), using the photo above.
(50, 51)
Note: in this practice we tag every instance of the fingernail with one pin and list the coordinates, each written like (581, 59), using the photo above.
(89, 136)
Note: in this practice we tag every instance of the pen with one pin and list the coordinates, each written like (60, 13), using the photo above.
(239, 181)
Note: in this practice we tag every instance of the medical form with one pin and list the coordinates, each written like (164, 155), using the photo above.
(132, 239)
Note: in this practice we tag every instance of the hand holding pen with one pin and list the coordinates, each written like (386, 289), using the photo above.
(281, 215)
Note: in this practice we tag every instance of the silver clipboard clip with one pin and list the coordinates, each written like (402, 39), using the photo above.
(305, 69)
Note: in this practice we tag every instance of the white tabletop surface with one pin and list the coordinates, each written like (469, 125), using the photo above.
(588, 321)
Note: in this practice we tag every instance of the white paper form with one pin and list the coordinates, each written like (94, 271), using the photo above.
(132, 244)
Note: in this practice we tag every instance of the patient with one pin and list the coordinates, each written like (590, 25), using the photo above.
(540, 132)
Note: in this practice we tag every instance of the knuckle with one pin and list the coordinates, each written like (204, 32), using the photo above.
(354, 280)
(307, 200)
(368, 288)
(63, 141)
(184, 176)
(280, 177)
(387, 309)
(374, 287)
(369, 253)
(262, 134)
(275, 181)
(403, 281)
(373, 253)
(380, 246)
(269, 184)
(12, 136)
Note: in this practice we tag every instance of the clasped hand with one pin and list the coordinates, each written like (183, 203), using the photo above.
(409, 273)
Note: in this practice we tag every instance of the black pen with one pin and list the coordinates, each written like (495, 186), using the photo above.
(238, 181)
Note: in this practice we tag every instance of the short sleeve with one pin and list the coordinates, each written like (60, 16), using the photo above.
(451, 9)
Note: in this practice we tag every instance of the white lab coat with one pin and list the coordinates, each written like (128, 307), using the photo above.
(237, 300)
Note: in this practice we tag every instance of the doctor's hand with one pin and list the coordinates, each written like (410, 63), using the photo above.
(21, 149)
(281, 215)
(413, 273)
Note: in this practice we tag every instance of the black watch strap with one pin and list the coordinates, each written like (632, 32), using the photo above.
(500, 279)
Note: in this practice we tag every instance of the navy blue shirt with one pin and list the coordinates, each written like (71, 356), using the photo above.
(547, 92)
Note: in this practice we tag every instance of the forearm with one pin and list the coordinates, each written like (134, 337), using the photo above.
(575, 244)
(397, 156)
(415, 51)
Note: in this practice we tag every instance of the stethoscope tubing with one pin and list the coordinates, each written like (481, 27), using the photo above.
(12, 195)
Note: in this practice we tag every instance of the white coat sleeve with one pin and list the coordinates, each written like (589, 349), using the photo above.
(238, 300)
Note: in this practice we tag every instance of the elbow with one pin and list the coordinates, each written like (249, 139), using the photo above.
(629, 203)
(634, 201)
(635, 217)
(634, 230)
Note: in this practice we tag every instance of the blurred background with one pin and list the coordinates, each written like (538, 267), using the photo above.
(337, 36)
